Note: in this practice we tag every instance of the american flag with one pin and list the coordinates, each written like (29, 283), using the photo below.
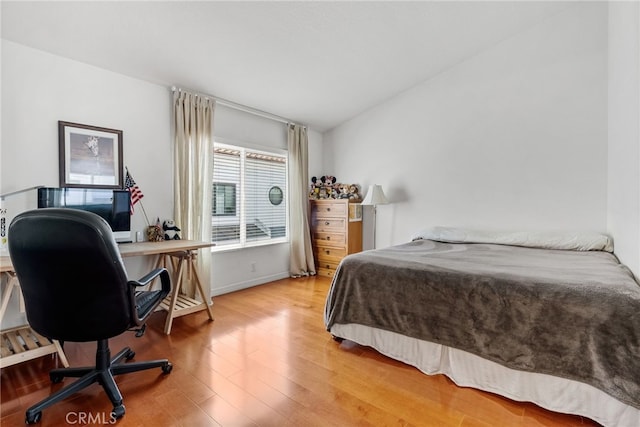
(132, 187)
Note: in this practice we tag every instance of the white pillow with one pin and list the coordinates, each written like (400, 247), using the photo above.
(577, 241)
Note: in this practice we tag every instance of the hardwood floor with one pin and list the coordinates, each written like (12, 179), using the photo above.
(265, 361)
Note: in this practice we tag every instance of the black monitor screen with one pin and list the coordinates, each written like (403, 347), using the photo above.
(112, 205)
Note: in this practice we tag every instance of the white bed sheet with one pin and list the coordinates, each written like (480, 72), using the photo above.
(566, 240)
(469, 370)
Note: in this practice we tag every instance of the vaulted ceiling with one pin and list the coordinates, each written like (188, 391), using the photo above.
(315, 62)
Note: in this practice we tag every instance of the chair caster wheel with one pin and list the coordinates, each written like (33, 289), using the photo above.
(130, 355)
(118, 412)
(167, 368)
(56, 378)
(33, 418)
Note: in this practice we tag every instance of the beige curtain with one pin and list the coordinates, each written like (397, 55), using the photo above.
(301, 259)
(193, 174)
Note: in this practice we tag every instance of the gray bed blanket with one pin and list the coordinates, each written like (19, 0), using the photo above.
(565, 313)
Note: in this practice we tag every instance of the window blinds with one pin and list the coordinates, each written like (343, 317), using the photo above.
(249, 196)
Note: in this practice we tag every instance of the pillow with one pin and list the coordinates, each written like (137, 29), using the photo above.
(577, 241)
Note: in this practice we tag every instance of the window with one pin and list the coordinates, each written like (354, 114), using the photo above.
(249, 197)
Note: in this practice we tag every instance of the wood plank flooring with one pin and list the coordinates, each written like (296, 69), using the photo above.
(265, 361)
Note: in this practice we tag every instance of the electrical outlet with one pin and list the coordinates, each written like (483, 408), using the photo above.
(253, 266)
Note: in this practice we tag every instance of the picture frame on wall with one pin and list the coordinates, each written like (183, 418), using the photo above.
(90, 156)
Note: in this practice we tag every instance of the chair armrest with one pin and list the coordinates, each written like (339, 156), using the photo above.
(165, 279)
(144, 302)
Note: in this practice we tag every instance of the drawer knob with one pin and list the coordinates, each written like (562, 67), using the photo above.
(327, 223)
(328, 237)
(328, 252)
(328, 209)
(328, 266)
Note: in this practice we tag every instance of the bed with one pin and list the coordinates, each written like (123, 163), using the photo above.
(549, 318)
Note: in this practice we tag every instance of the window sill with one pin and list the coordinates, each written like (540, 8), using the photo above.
(238, 247)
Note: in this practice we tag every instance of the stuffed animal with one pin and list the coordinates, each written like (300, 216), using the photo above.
(327, 184)
(323, 193)
(314, 191)
(155, 232)
(170, 230)
(343, 191)
(325, 187)
(335, 191)
(354, 193)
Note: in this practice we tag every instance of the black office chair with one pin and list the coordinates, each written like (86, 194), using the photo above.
(75, 288)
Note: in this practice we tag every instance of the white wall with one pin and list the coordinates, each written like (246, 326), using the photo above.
(38, 89)
(513, 138)
(316, 154)
(624, 132)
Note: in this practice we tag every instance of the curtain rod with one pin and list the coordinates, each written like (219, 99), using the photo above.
(237, 106)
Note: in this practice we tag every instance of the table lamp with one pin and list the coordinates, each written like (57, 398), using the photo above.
(375, 196)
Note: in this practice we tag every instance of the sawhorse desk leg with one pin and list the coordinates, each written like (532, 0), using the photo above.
(177, 304)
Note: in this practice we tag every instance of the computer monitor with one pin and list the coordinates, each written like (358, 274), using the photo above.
(112, 205)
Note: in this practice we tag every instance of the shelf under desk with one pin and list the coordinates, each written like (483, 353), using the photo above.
(177, 256)
(22, 343)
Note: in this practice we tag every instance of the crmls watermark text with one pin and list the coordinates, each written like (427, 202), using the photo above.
(90, 418)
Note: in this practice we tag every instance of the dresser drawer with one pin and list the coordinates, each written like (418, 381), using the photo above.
(328, 253)
(326, 272)
(328, 265)
(328, 224)
(323, 210)
(329, 239)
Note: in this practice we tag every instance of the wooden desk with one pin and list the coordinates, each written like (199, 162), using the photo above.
(175, 255)
(22, 343)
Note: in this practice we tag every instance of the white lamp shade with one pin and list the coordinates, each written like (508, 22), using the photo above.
(375, 196)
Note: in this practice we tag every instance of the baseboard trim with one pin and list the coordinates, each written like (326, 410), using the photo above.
(248, 283)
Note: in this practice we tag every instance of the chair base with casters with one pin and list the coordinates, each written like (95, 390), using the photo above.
(104, 371)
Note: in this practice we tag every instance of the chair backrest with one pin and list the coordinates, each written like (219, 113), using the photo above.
(71, 274)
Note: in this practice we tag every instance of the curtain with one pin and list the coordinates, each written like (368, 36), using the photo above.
(301, 258)
(193, 175)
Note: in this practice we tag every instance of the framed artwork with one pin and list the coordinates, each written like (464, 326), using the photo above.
(90, 156)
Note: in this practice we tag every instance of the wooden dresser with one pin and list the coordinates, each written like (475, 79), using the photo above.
(336, 231)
